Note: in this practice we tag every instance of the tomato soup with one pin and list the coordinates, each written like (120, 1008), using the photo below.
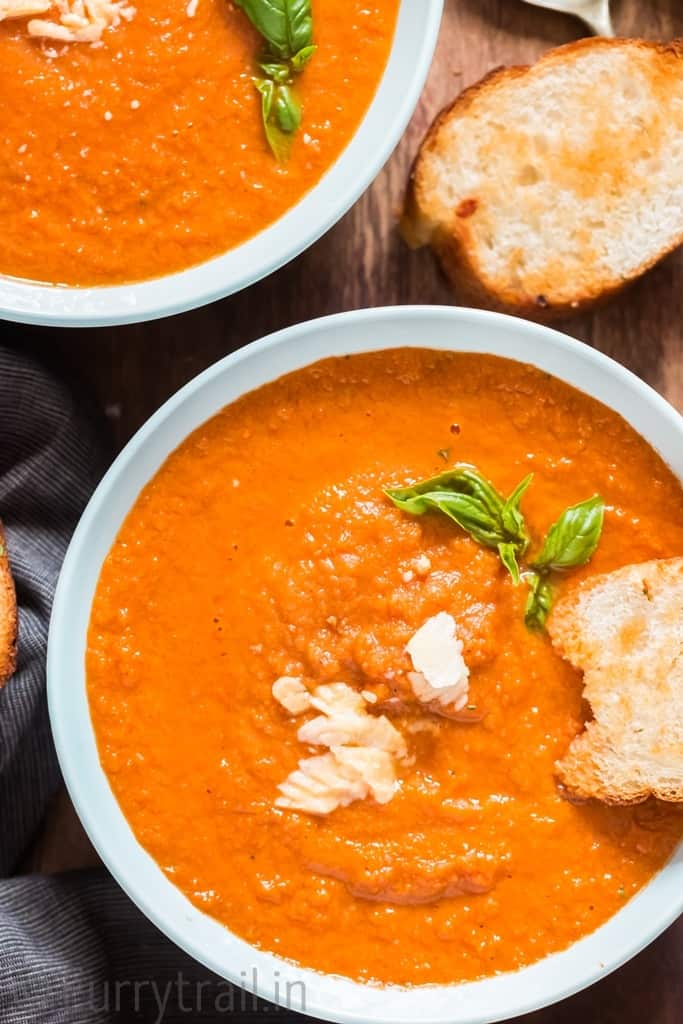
(265, 547)
(145, 153)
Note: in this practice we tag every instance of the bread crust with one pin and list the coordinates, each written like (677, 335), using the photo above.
(624, 630)
(8, 615)
(453, 245)
(578, 772)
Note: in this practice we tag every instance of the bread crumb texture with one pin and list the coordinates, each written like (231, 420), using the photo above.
(625, 631)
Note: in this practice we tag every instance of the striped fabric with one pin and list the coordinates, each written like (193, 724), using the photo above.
(73, 949)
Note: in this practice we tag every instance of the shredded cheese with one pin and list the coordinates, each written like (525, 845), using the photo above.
(441, 673)
(376, 768)
(23, 8)
(81, 21)
(290, 692)
(345, 721)
(76, 21)
(363, 750)
(320, 785)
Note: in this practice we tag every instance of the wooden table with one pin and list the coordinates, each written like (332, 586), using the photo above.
(127, 372)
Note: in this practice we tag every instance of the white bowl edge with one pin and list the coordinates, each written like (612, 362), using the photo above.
(508, 995)
(345, 181)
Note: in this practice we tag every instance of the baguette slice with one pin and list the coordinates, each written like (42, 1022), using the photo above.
(8, 615)
(625, 630)
(546, 189)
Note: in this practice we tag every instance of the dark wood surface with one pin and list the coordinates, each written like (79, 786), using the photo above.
(125, 373)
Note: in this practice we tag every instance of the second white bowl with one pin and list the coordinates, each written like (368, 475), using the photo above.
(329, 997)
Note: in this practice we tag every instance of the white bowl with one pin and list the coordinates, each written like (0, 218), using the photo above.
(380, 131)
(331, 998)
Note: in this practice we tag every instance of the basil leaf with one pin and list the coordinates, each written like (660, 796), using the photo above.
(302, 57)
(286, 25)
(539, 602)
(278, 72)
(573, 538)
(507, 513)
(466, 497)
(467, 512)
(461, 479)
(267, 89)
(287, 28)
(278, 140)
(287, 109)
(444, 492)
(299, 25)
(508, 557)
(511, 515)
(475, 484)
(268, 18)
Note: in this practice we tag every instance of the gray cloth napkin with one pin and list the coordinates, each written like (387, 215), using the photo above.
(73, 948)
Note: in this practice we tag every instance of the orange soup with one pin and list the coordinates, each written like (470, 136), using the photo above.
(145, 153)
(265, 547)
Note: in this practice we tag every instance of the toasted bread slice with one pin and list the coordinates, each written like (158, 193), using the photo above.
(546, 189)
(625, 630)
(8, 615)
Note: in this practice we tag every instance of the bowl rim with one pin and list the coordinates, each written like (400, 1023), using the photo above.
(342, 184)
(501, 997)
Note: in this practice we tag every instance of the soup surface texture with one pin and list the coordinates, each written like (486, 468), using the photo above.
(145, 154)
(264, 546)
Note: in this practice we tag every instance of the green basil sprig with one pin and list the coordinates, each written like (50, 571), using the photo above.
(539, 602)
(570, 542)
(286, 25)
(471, 501)
(287, 30)
(572, 539)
